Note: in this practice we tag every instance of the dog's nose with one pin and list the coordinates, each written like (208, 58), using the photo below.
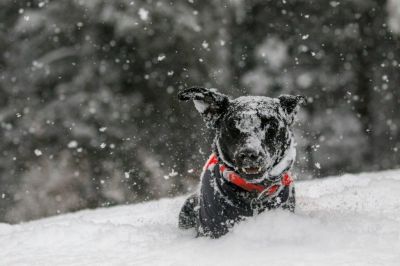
(247, 154)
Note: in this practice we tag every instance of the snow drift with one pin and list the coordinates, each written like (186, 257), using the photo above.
(347, 220)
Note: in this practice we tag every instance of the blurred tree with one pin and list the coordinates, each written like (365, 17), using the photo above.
(88, 108)
(94, 83)
(345, 59)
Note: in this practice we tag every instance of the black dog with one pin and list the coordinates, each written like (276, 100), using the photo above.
(248, 171)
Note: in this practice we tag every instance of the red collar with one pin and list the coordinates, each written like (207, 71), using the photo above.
(236, 179)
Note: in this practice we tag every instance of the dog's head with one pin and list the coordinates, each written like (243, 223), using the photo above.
(252, 132)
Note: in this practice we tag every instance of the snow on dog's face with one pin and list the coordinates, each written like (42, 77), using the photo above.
(252, 132)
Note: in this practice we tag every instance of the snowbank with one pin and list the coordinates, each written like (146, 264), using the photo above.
(348, 220)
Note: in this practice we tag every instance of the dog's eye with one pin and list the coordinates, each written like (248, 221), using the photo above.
(267, 123)
(264, 122)
(232, 124)
(232, 128)
(271, 128)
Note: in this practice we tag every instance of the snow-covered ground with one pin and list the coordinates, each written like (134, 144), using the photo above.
(348, 220)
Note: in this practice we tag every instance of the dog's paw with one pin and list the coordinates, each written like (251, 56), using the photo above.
(188, 215)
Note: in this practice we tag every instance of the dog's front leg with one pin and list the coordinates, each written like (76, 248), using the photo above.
(290, 203)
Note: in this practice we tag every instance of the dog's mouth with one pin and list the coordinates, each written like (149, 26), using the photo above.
(252, 170)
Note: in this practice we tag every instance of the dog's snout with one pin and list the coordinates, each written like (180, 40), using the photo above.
(248, 154)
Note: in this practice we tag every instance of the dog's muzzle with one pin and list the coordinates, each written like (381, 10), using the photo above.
(250, 161)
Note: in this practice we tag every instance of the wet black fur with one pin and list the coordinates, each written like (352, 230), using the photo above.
(213, 212)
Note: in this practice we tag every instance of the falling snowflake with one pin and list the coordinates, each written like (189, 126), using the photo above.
(38, 152)
(305, 37)
(205, 44)
(173, 173)
(143, 14)
(161, 57)
(72, 144)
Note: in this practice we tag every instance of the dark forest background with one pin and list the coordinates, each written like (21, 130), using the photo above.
(89, 115)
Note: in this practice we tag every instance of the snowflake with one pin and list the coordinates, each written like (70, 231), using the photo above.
(143, 14)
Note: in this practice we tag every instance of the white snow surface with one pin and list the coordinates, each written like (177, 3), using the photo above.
(347, 220)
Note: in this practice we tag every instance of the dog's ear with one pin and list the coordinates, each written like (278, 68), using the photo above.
(210, 103)
(290, 105)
